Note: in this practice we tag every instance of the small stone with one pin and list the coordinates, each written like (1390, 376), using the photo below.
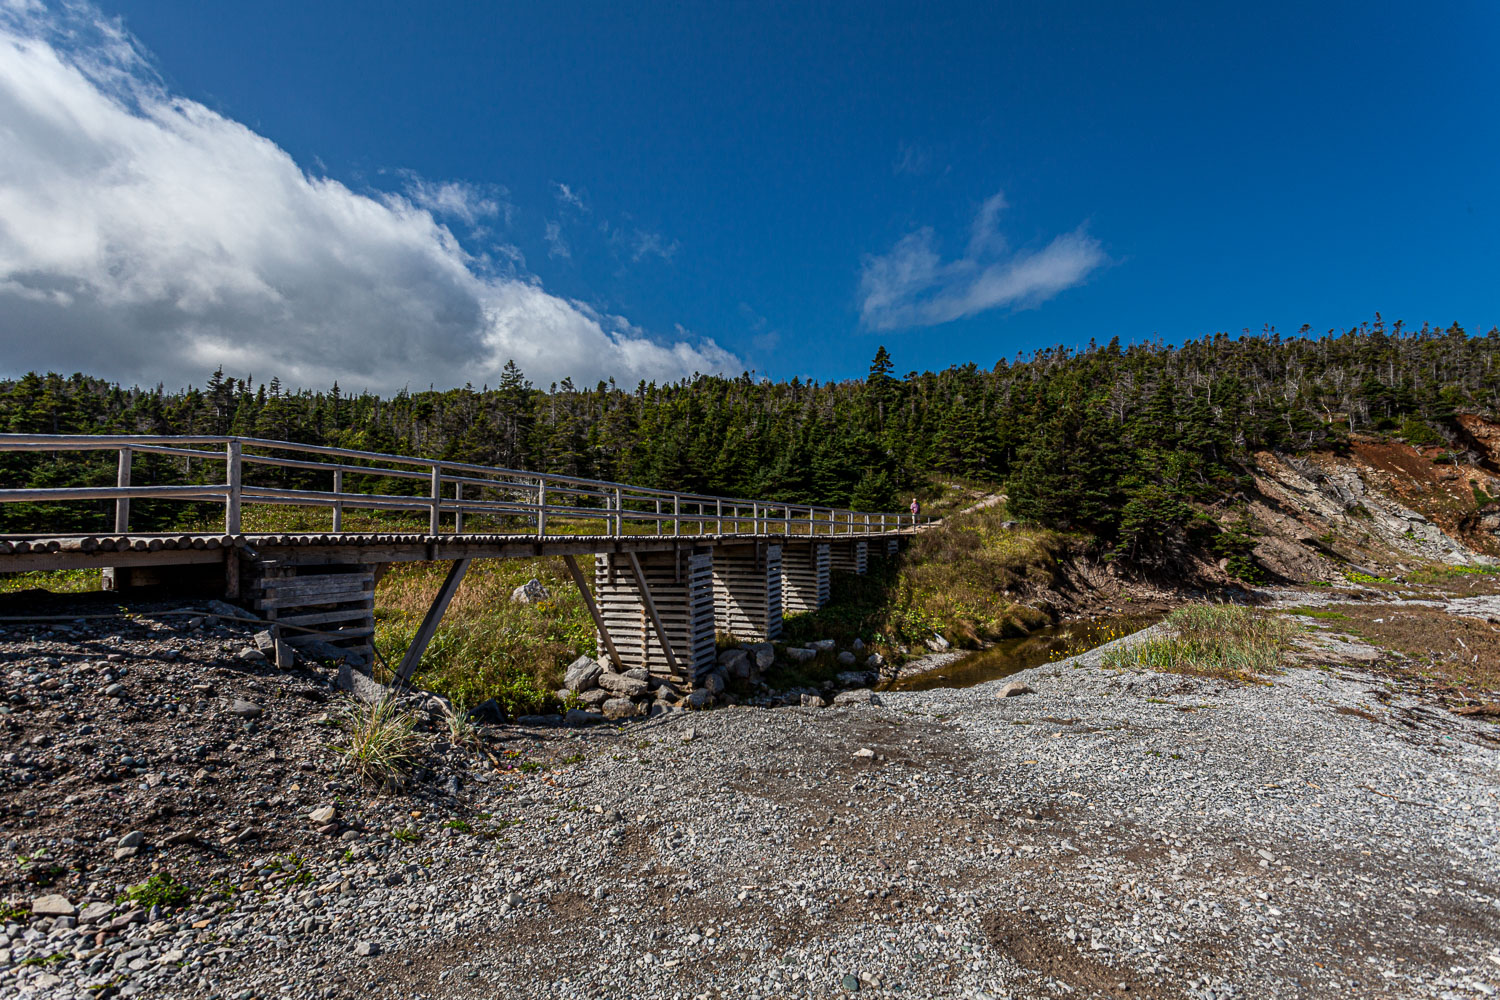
(245, 709)
(875, 661)
(813, 701)
(123, 853)
(250, 655)
(134, 838)
(514, 898)
(323, 815)
(700, 699)
(689, 734)
(858, 645)
(864, 752)
(713, 683)
(265, 641)
(938, 644)
(530, 592)
(95, 912)
(366, 948)
(859, 696)
(53, 905)
(1013, 689)
(370, 691)
(765, 654)
(115, 691)
(851, 984)
(847, 659)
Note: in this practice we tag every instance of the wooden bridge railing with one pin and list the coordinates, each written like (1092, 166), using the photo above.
(459, 489)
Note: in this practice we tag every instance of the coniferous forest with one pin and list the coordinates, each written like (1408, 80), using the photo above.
(1135, 445)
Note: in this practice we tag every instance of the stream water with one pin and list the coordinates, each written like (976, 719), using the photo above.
(1009, 656)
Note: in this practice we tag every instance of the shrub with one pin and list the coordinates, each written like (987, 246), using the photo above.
(1212, 640)
(158, 890)
(383, 742)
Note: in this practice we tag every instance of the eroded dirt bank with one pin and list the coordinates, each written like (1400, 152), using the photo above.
(1330, 834)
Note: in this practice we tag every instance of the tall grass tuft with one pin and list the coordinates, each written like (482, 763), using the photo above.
(382, 743)
(1229, 641)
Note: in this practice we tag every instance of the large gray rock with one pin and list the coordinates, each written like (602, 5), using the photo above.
(530, 592)
(594, 698)
(938, 644)
(625, 687)
(847, 659)
(797, 654)
(875, 661)
(1012, 690)
(812, 701)
(824, 645)
(360, 684)
(577, 717)
(245, 709)
(736, 663)
(713, 683)
(619, 708)
(764, 653)
(582, 674)
(700, 699)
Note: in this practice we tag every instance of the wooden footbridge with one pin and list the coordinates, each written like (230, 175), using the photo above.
(669, 568)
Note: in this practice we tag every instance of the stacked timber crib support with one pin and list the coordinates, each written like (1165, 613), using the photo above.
(849, 557)
(747, 590)
(658, 609)
(804, 576)
(333, 604)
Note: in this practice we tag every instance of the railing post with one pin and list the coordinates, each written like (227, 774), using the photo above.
(541, 507)
(435, 516)
(786, 517)
(676, 514)
(659, 527)
(232, 483)
(619, 513)
(719, 513)
(338, 506)
(458, 515)
(755, 518)
(122, 504)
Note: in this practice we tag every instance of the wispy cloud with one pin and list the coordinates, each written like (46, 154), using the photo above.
(913, 160)
(147, 237)
(468, 203)
(913, 286)
(556, 245)
(567, 197)
(652, 244)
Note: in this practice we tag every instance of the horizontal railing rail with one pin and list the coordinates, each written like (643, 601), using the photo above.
(454, 491)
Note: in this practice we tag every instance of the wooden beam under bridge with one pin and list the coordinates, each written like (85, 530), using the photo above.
(588, 601)
(430, 622)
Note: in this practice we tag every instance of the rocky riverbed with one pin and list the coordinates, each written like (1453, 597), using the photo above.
(1330, 834)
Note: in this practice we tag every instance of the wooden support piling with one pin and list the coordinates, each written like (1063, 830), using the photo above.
(430, 622)
(599, 622)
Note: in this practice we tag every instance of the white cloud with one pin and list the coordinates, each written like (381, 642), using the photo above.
(148, 238)
(466, 202)
(913, 286)
(652, 243)
(566, 197)
(556, 245)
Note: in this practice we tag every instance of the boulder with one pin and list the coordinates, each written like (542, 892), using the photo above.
(639, 673)
(858, 645)
(736, 663)
(323, 815)
(134, 838)
(95, 912)
(764, 653)
(1013, 689)
(847, 659)
(250, 655)
(875, 661)
(700, 699)
(265, 641)
(594, 698)
(938, 644)
(362, 685)
(530, 592)
(582, 674)
(487, 711)
(713, 683)
(813, 701)
(578, 717)
(824, 645)
(797, 654)
(619, 708)
(623, 685)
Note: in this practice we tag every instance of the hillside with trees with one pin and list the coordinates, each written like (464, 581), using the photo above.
(1140, 446)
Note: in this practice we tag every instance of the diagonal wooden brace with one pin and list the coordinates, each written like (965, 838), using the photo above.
(588, 601)
(430, 622)
(661, 633)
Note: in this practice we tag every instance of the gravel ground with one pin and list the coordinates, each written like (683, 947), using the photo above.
(1110, 834)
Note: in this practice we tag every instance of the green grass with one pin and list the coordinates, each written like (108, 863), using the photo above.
(382, 743)
(1445, 574)
(60, 581)
(1228, 641)
(158, 890)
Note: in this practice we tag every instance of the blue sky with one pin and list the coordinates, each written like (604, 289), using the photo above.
(784, 187)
